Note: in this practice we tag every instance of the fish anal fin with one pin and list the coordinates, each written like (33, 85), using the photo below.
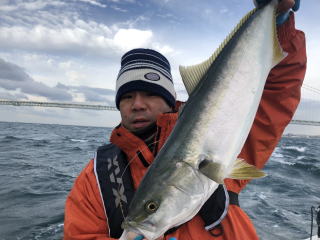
(278, 53)
(192, 75)
(242, 170)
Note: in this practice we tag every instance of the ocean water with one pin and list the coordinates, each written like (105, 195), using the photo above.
(39, 163)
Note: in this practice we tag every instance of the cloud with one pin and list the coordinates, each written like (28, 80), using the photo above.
(16, 5)
(12, 96)
(308, 110)
(122, 1)
(29, 5)
(97, 95)
(131, 38)
(81, 39)
(61, 27)
(36, 88)
(90, 94)
(10, 71)
(13, 77)
(94, 2)
(119, 9)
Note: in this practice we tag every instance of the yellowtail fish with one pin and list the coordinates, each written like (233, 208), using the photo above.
(224, 94)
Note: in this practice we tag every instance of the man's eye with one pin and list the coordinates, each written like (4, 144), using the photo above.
(126, 96)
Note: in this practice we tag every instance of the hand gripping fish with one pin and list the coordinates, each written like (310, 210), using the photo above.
(224, 94)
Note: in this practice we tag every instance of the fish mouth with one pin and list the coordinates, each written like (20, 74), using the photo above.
(128, 224)
(145, 229)
(135, 225)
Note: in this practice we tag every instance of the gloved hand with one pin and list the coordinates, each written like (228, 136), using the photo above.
(140, 237)
(284, 8)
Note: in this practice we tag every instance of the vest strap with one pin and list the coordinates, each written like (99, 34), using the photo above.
(116, 186)
(233, 198)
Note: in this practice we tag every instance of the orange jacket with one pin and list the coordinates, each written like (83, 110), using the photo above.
(84, 212)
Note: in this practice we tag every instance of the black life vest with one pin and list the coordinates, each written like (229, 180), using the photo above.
(116, 188)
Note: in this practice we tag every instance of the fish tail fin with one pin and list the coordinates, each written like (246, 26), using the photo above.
(243, 170)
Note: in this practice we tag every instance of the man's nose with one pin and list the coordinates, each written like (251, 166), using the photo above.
(139, 102)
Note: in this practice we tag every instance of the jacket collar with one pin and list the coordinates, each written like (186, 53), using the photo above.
(131, 144)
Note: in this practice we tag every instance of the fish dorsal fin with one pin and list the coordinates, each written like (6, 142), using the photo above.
(191, 75)
(243, 170)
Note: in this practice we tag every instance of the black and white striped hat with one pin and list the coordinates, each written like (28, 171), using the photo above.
(145, 70)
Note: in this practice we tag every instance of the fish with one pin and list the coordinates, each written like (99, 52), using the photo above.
(203, 148)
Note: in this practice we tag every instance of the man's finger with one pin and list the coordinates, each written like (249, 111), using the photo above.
(260, 3)
(139, 237)
(285, 6)
(296, 6)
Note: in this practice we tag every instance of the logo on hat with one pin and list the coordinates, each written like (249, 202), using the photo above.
(152, 76)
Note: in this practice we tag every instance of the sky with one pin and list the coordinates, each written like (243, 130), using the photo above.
(70, 50)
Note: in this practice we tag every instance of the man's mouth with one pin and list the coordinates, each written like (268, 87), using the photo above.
(140, 123)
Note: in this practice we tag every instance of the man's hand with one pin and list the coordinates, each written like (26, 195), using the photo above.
(140, 237)
(283, 10)
(285, 6)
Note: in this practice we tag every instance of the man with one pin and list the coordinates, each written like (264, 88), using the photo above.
(146, 100)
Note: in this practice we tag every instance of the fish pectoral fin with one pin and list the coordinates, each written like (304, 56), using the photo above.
(243, 170)
(211, 169)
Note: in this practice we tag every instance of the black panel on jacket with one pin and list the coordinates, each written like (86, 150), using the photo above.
(116, 187)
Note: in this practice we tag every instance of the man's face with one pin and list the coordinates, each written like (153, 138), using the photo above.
(140, 109)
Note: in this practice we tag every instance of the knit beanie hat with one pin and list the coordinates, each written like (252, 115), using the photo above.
(145, 70)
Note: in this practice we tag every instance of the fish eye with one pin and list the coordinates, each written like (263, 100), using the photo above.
(151, 206)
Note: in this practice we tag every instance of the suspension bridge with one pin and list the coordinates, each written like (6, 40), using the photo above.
(56, 104)
(102, 107)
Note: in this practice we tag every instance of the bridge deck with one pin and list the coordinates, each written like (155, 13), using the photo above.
(103, 107)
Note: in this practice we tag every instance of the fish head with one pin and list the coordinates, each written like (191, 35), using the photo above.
(161, 206)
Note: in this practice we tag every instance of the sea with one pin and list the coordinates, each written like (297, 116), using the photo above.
(40, 162)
